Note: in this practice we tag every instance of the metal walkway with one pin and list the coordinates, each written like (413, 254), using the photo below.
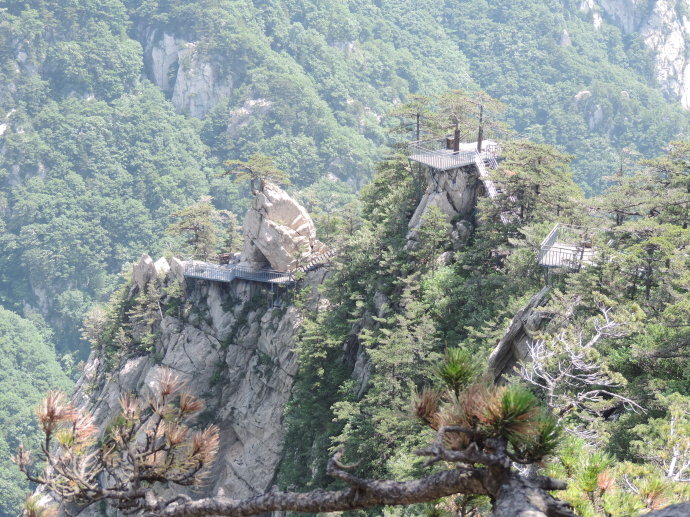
(434, 153)
(567, 247)
(229, 272)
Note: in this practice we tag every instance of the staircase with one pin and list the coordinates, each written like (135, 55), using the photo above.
(490, 186)
(317, 261)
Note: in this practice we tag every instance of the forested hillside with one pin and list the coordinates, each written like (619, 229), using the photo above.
(94, 157)
(607, 354)
(28, 369)
(116, 115)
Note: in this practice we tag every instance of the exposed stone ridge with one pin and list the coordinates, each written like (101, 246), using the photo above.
(235, 352)
(185, 72)
(454, 192)
(513, 346)
(278, 231)
(665, 27)
(146, 270)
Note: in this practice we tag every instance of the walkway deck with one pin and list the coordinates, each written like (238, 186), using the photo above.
(229, 272)
(568, 247)
(566, 256)
(433, 153)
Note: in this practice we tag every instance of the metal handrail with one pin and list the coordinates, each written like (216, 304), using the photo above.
(228, 273)
(551, 237)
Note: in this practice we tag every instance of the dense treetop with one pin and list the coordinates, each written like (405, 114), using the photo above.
(28, 368)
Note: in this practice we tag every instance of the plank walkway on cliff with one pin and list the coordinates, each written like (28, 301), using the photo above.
(229, 272)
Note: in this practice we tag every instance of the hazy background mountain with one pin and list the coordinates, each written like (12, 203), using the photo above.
(116, 113)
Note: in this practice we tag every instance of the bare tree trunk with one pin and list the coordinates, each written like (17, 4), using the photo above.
(519, 497)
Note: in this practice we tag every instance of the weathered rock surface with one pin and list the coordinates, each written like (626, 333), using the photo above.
(665, 27)
(512, 348)
(237, 356)
(454, 192)
(278, 231)
(143, 271)
(676, 510)
(146, 270)
(183, 71)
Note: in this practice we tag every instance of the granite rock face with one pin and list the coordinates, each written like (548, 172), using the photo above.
(146, 270)
(664, 25)
(184, 72)
(454, 192)
(235, 354)
(278, 232)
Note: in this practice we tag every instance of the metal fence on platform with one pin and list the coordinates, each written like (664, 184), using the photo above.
(438, 153)
(229, 272)
(567, 247)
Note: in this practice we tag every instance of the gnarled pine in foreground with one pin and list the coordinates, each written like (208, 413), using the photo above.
(481, 431)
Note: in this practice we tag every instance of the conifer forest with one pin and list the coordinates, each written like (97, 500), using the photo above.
(350, 257)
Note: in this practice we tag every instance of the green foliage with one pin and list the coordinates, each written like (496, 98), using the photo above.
(28, 368)
(111, 175)
(94, 159)
(257, 169)
(458, 369)
(197, 224)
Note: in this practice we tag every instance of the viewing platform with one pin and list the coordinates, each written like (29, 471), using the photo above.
(438, 153)
(568, 247)
(227, 273)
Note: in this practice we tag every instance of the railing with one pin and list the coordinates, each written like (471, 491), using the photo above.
(317, 260)
(491, 190)
(228, 273)
(207, 271)
(435, 154)
(548, 243)
(567, 247)
(438, 154)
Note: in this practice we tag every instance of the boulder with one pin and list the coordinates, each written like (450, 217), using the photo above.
(177, 269)
(144, 271)
(162, 267)
(278, 232)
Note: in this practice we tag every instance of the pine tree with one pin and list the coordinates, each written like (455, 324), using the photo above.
(197, 225)
(257, 169)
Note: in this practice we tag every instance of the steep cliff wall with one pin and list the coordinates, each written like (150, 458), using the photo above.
(664, 26)
(234, 347)
(185, 72)
(454, 193)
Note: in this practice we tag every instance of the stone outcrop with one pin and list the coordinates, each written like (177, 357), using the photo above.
(454, 192)
(235, 354)
(278, 232)
(146, 270)
(664, 25)
(184, 72)
(512, 348)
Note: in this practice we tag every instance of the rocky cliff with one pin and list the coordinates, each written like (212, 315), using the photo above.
(664, 25)
(455, 193)
(233, 344)
(184, 71)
